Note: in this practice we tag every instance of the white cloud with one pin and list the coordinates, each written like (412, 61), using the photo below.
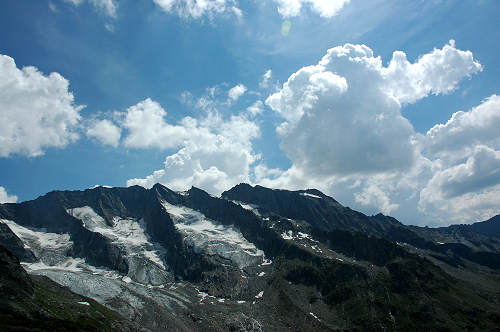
(481, 170)
(74, 2)
(5, 198)
(236, 92)
(465, 153)
(37, 111)
(467, 208)
(147, 128)
(325, 8)
(343, 115)
(196, 9)
(256, 108)
(105, 132)
(109, 27)
(53, 7)
(187, 98)
(338, 119)
(212, 153)
(437, 72)
(264, 82)
(344, 133)
(293, 178)
(238, 12)
(106, 7)
(212, 98)
(465, 130)
(263, 173)
(373, 195)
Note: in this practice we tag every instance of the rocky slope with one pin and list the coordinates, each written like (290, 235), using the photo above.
(36, 303)
(254, 259)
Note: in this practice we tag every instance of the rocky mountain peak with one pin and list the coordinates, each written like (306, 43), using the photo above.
(267, 258)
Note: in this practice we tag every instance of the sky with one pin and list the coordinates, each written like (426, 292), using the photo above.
(388, 106)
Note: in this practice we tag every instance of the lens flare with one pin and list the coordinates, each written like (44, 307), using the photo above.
(285, 28)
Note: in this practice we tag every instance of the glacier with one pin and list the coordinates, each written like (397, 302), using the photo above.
(205, 235)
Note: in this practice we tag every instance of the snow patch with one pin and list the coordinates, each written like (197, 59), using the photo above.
(259, 296)
(301, 236)
(84, 303)
(130, 233)
(266, 262)
(49, 248)
(204, 295)
(310, 195)
(250, 207)
(204, 234)
(316, 317)
(38, 237)
(287, 235)
(98, 185)
(261, 274)
(317, 249)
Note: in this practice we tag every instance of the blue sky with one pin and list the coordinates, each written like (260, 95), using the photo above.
(213, 93)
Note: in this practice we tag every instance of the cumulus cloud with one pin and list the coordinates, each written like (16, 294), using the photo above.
(373, 195)
(325, 8)
(437, 72)
(147, 128)
(293, 178)
(480, 170)
(236, 92)
(344, 133)
(196, 9)
(467, 208)
(465, 130)
(338, 119)
(211, 153)
(465, 154)
(5, 198)
(106, 7)
(343, 115)
(105, 132)
(36, 111)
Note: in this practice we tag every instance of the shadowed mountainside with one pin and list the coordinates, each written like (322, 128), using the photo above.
(254, 259)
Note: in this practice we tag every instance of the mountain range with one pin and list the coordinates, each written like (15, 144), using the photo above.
(253, 259)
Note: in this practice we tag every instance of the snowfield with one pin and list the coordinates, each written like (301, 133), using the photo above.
(129, 233)
(206, 235)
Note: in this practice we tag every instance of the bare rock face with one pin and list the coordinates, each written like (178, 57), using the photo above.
(256, 259)
(11, 242)
(15, 283)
